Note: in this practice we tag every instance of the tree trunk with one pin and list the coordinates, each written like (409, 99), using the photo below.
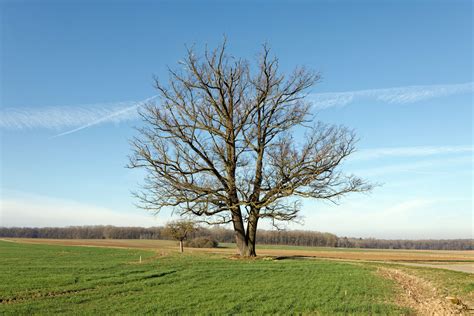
(245, 240)
(181, 246)
(240, 238)
(245, 250)
(240, 235)
(251, 249)
(252, 233)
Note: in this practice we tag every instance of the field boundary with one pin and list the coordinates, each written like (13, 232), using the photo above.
(420, 295)
(453, 266)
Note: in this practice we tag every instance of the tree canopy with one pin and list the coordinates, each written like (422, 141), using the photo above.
(231, 142)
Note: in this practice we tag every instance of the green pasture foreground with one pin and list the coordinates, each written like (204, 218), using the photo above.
(45, 279)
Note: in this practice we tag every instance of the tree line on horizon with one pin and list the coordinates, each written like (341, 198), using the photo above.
(223, 235)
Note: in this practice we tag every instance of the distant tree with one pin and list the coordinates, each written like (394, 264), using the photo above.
(180, 230)
(221, 145)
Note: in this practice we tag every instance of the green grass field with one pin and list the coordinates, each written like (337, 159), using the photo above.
(45, 279)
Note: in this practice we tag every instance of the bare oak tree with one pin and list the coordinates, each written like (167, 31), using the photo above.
(232, 145)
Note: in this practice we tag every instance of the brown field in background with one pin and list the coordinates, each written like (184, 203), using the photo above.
(402, 255)
(380, 255)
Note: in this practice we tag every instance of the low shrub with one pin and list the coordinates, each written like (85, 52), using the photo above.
(202, 242)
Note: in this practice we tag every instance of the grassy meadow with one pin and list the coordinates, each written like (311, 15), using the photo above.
(45, 279)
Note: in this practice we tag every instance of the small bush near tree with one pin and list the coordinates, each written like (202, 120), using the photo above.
(202, 242)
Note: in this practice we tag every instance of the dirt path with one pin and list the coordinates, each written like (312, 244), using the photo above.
(422, 296)
(461, 267)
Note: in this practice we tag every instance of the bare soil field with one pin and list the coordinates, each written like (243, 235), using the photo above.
(431, 257)
(111, 243)
(461, 267)
(373, 255)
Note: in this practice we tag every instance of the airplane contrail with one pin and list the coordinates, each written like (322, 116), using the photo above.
(81, 117)
(120, 113)
(399, 95)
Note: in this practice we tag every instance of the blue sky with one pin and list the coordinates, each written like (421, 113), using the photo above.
(399, 72)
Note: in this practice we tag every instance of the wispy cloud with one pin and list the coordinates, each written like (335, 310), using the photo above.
(76, 118)
(399, 95)
(437, 166)
(64, 116)
(73, 117)
(25, 209)
(414, 151)
(423, 160)
(394, 216)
